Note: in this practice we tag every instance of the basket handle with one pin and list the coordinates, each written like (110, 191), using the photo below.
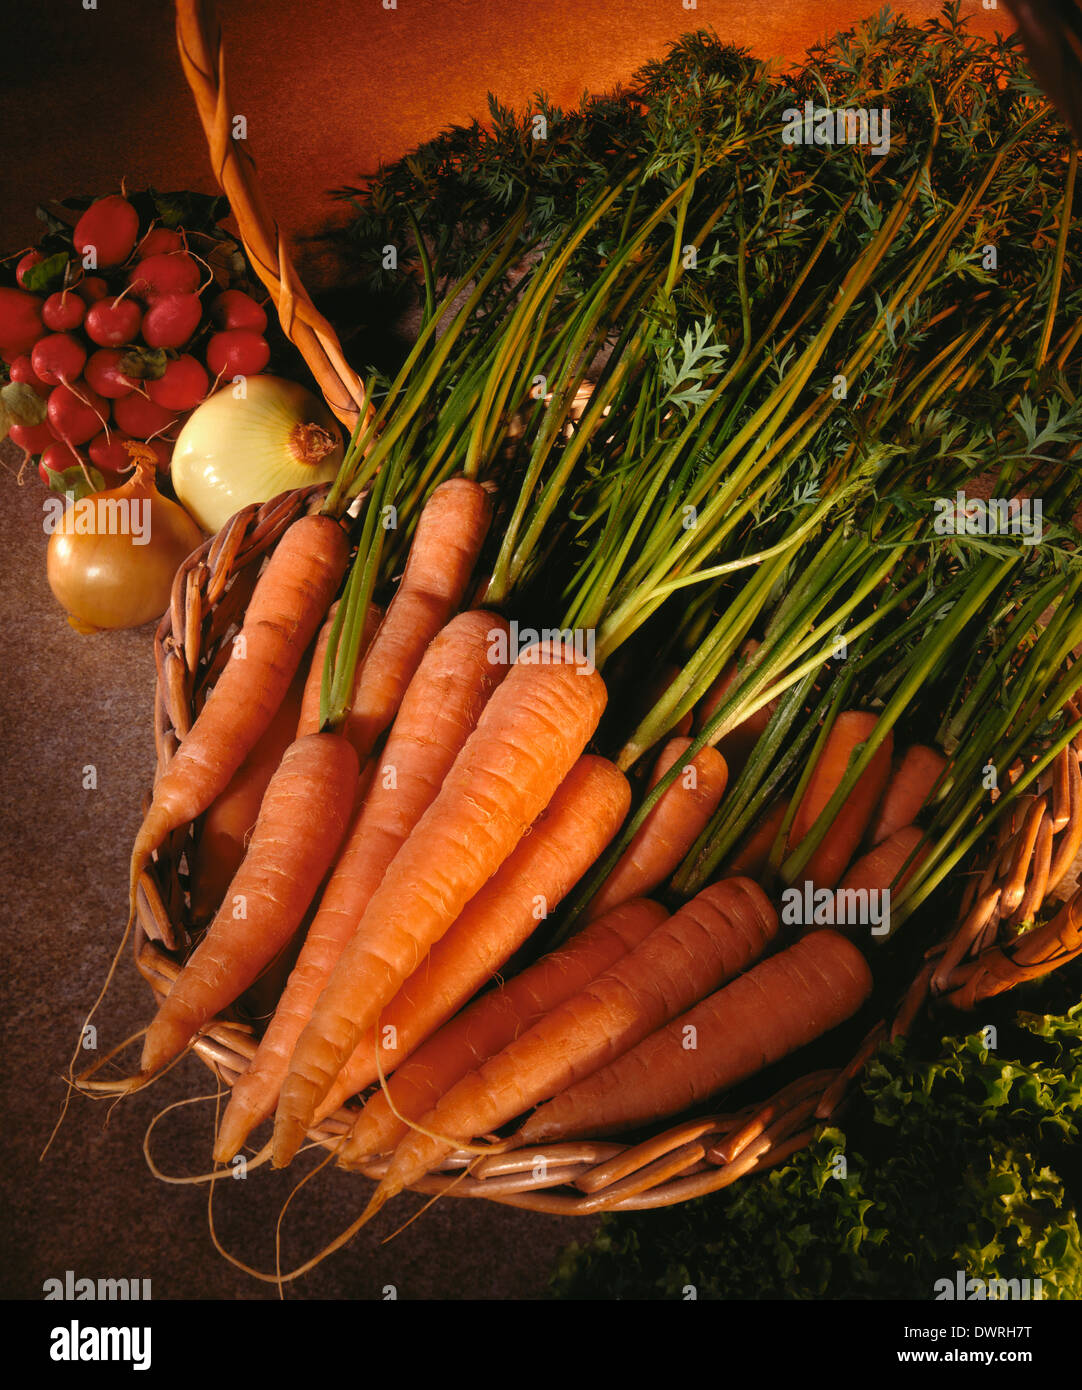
(199, 39)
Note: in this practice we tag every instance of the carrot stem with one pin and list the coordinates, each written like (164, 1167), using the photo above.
(344, 642)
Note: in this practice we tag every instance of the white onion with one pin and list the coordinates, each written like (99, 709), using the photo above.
(236, 449)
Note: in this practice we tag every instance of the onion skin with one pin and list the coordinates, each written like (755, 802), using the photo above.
(233, 452)
(108, 581)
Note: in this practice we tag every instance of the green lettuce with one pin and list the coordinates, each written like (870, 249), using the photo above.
(958, 1156)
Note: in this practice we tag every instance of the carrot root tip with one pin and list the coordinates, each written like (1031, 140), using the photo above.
(226, 1147)
(380, 1198)
(286, 1140)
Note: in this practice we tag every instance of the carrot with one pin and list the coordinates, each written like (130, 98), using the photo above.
(261, 999)
(910, 785)
(527, 739)
(754, 854)
(308, 719)
(882, 864)
(289, 601)
(492, 1022)
(545, 865)
(227, 826)
(450, 532)
(851, 729)
(711, 939)
(670, 829)
(438, 713)
(780, 1005)
(735, 746)
(301, 823)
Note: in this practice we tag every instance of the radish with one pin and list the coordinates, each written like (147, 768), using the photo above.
(140, 417)
(20, 320)
(175, 273)
(103, 373)
(109, 228)
(58, 456)
(63, 312)
(32, 438)
(159, 241)
(237, 352)
(76, 416)
(171, 320)
(112, 323)
(183, 385)
(108, 453)
(22, 370)
(58, 357)
(28, 262)
(91, 288)
(163, 449)
(235, 309)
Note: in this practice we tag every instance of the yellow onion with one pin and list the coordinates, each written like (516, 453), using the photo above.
(112, 555)
(249, 442)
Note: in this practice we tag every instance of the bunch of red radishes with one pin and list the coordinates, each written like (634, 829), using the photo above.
(137, 334)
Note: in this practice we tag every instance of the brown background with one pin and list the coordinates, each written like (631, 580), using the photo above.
(90, 97)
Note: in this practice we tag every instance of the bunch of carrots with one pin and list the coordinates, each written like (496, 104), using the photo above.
(371, 879)
(388, 812)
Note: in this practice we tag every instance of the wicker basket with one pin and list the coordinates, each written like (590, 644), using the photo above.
(980, 957)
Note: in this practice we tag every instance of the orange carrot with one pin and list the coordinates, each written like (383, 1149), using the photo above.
(910, 785)
(735, 746)
(711, 939)
(227, 826)
(286, 608)
(528, 738)
(308, 720)
(670, 829)
(781, 1004)
(851, 729)
(545, 865)
(301, 824)
(882, 864)
(493, 1021)
(450, 532)
(261, 999)
(754, 854)
(438, 713)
